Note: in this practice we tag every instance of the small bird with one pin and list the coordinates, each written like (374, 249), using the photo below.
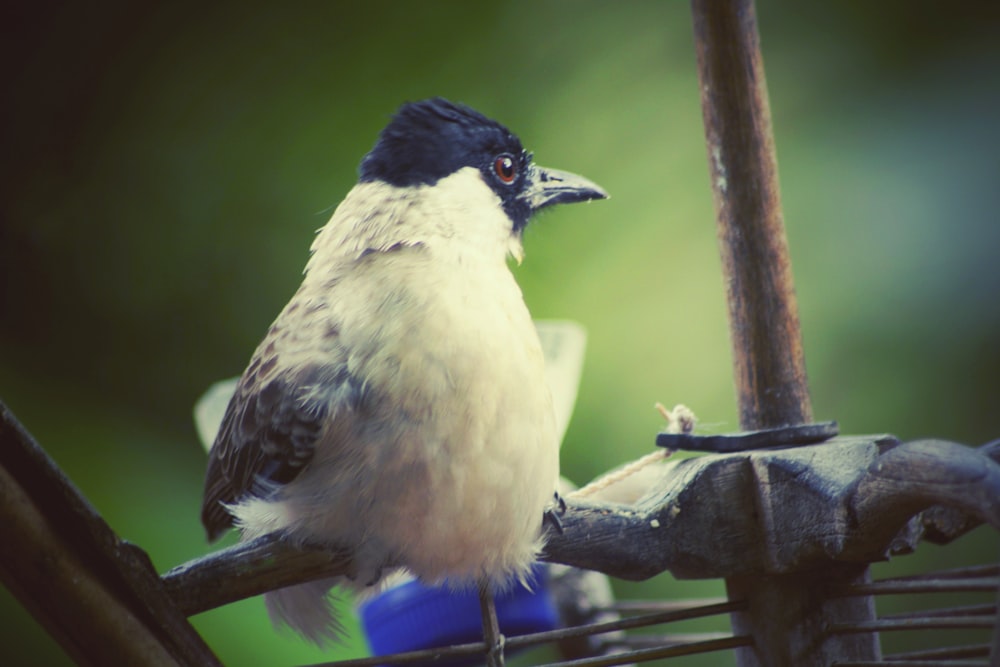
(397, 407)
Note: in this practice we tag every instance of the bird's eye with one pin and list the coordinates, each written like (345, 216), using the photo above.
(505, 168)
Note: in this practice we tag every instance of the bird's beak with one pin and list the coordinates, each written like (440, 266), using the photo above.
(551, 186)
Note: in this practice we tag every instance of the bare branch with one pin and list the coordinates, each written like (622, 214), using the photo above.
(248, 569)
(98, 596)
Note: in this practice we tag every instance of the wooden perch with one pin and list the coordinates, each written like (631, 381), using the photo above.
(850, 500)
(248, 569)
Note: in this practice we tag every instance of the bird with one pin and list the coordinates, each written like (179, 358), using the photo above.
(397, 407)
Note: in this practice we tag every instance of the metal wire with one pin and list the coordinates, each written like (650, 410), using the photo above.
(925, 584)
(645, 655)
(990, 570)
(914, 663)
(645, 620)
(650, 641)
(673, 612)
(950, 652)
(970, 610)
(977, 579)
(927, 623)
(639, 648)
(652, 606)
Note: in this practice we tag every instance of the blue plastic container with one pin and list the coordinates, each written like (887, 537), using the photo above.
(412, 616)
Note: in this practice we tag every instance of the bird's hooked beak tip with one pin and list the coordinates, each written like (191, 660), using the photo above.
(552, 186)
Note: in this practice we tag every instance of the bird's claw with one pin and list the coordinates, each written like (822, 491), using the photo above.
(553, 515)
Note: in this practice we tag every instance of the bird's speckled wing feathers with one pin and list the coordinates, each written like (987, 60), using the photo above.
(264, 441)
(269, 431)
(279, 410)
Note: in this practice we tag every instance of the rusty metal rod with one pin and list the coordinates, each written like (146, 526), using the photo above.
(980, 585)
(911, 663)
(948, 652)
(935, 623)
(659, 653)
(538, 638)
(967, 572)
(965, 611)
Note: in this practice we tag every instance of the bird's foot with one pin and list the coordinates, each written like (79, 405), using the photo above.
(492, 637)
(552, 516)
(494, 653)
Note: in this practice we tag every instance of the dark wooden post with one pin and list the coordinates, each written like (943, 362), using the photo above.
(763, 316)
(786, 614)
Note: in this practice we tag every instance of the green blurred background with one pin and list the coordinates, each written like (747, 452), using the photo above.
(164, 167)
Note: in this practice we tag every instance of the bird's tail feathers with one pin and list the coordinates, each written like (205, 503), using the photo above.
(308, 610)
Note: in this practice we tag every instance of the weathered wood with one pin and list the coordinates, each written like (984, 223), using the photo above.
(768, 360)
(942, 524)
(248, 569)
(852, 500)
(817, 514)
(98, 596)
(919, 474)
(788, 616)
(755, 514)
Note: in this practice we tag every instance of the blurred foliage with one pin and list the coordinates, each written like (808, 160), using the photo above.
(164, 167)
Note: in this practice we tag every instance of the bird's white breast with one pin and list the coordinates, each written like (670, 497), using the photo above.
(451, 471)
(486, 432)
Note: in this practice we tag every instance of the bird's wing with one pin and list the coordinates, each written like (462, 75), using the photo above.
(268, 434)
(270, 428)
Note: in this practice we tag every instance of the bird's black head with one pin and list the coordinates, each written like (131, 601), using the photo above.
(429, 140)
